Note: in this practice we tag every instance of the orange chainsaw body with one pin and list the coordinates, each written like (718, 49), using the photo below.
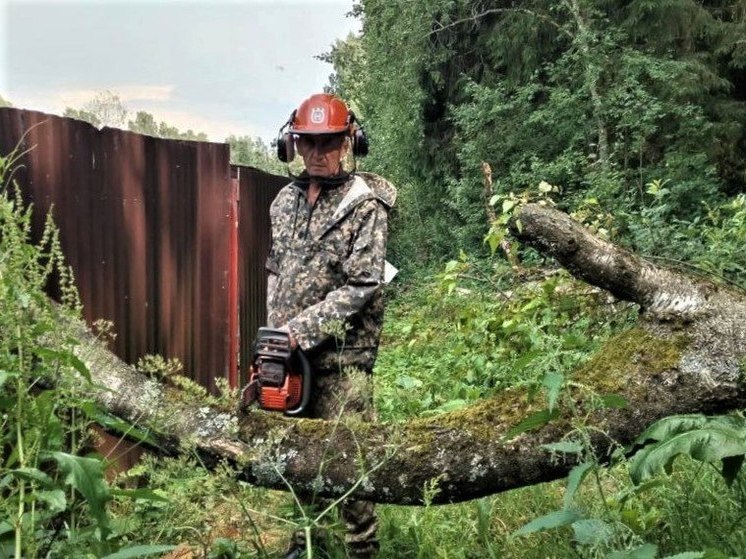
(281, 398)
(280, 377)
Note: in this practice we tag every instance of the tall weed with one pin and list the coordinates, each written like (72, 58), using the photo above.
(53, 496)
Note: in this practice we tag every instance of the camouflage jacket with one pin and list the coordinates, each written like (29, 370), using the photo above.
(326, 266)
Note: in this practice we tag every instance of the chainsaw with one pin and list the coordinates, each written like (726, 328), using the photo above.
(279, 377)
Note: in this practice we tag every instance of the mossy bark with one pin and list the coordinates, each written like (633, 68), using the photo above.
(684, 355)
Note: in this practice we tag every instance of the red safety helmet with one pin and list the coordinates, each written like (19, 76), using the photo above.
(321, 113)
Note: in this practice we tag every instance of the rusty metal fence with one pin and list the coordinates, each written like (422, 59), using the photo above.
(163, 241)
(256, 192)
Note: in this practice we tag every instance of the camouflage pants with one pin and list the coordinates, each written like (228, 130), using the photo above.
(338, 395)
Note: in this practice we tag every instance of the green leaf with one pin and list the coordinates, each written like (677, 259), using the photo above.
(451, 265)
(86, 475)
(669, 426)
(647, 551)
(408, 383)
(553, 383)
(494, 241)
(54, 498)
(533, 421)
(140, 494)
(574, 481)
(113, 423)
(591, 531)
(452, 405)
(636, 490)
(33, 474)
(79, 366)
(508, 205)
(687, 555)
(716, 440)
(139, 551)
(5, 527)
(555, 519)
(65, 358)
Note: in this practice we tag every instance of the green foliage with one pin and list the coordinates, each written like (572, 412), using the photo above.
(253, 152)
(139, 551)
(708, 439)
(53, 498)
(622, 521)
(107, 109)
(348, 59)
(86, 475)
(709, 244)
(145, 123)
(498, 335)
(598, 96)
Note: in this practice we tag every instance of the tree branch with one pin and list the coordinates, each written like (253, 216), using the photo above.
(485, 13)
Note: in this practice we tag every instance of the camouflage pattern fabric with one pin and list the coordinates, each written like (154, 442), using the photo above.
(334, 396)
(326, 269)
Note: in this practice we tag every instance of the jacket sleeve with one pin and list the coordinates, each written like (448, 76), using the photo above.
(271, 266)
(363, 270)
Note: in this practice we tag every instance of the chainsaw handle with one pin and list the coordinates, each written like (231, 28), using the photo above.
(306, 395)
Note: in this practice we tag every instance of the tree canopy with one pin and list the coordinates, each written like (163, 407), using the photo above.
(600, 97)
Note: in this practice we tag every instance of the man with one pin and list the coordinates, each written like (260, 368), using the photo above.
(326, 271)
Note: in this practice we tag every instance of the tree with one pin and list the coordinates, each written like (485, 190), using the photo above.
(84, 115)
(347, 57)
(599, 96)
(253, 152)
(4, 102)
(686, 354)
(145, 123)
(105, 109)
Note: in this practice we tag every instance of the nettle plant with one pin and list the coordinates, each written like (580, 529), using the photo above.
(53, 496)
(619, 528)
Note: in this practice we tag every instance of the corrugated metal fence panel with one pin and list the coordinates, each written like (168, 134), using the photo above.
(145, 224)
(256, 192)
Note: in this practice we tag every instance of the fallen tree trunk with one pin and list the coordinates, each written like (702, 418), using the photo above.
(685, 355)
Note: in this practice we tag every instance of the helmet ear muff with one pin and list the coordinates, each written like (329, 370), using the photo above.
(359, 143)
(285, 142)
(285, 147)
(359, 137)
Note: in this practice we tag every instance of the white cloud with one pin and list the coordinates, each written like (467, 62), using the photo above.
(127, 93)
(156, 100)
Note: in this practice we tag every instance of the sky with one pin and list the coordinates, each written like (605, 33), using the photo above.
(219, 67)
